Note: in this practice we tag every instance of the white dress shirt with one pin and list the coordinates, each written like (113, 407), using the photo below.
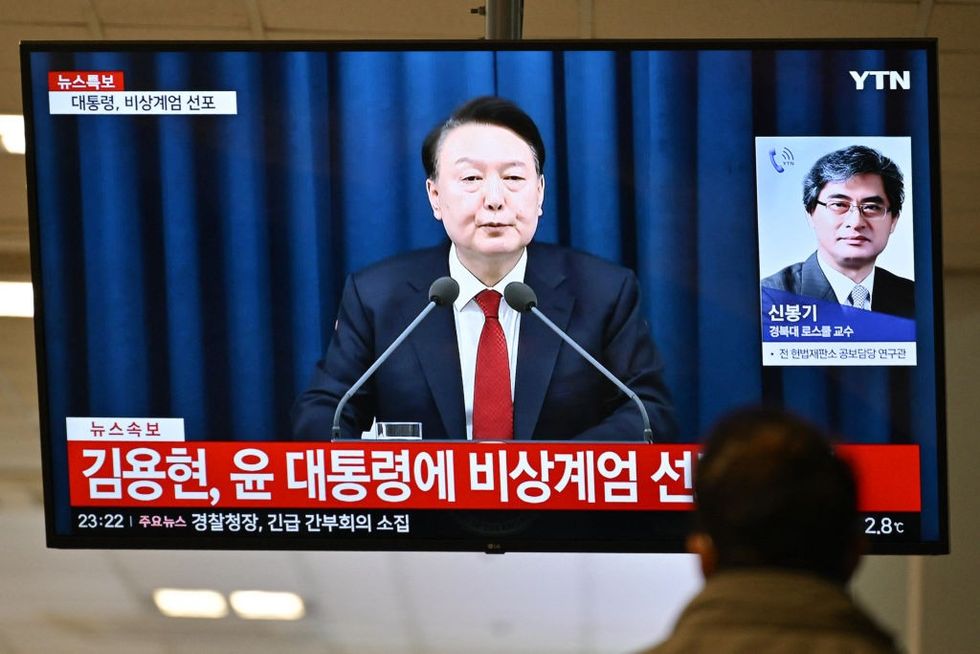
(469, 324)
(843, 285)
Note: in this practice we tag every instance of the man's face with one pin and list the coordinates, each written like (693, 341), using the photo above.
(487, 191)
(852, 241)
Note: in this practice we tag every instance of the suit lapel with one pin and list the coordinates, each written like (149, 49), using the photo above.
(814, 283)
(886, 298)
(538, 346)
(436, 347)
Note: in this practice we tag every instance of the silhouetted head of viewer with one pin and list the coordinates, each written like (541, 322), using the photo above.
(771, 493)
(778, 536)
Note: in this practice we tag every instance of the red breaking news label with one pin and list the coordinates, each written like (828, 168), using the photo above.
(85, 80)
(432, 475)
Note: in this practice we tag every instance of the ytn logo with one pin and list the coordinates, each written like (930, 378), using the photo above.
(896, 80)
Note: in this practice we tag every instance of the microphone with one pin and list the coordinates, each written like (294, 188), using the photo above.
(522, 298)
(443, 291)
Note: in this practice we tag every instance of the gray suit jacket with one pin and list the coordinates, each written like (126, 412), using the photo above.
(892, 294)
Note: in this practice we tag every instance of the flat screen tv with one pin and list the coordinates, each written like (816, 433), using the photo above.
(225, 236)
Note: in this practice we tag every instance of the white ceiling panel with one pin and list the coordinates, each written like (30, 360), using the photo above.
(232, 643)
(625, 585)
(13, 184)
(17, 364)
(961, 238)
(555, 19)
(958, 74)
(167, 33)
(183, 13)
(374, 17)
(356, 593)
(515, 602)
(58, 585)
(10, 98)
(20, 453)
(956, 26)
(146, 570)
(960, 147)
(762, 19)
(12, 35)
(44, 11)
(352, 35)
(960, 247)
(46, 637)
(958, 117)
(958, 187)
(13, 236)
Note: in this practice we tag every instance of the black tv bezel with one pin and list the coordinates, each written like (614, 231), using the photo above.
(652, 545)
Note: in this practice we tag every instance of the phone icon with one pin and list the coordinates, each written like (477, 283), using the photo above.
(772, 160)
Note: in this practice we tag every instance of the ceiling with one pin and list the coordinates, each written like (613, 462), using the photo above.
(98, 601)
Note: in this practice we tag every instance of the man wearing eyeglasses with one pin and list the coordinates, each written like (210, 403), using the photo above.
(853, 198)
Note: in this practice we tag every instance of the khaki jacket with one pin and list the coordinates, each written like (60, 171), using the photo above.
(768, 611)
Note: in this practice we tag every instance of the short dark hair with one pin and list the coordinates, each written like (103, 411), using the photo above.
(771, 492)
(487, 110)
(841, 165)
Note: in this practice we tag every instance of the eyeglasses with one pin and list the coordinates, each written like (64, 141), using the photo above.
(870, 210)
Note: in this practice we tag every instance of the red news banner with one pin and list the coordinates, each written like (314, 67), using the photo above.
(431, 475)
(86, 80)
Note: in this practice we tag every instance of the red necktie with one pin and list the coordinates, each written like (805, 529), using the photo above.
(493, 409)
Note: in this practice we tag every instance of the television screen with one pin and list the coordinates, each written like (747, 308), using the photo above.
(226, 236)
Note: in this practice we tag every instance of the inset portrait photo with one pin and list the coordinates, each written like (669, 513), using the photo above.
(835, 247)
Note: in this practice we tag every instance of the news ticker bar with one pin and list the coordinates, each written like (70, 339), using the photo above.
(399, 475)
(187, 525)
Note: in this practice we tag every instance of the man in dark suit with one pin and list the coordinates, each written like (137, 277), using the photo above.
(853, 198)
(480, 369)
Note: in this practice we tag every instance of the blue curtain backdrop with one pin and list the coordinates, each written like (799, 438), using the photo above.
(191, 266)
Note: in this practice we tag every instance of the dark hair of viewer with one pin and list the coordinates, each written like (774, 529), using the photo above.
(772, 493)
(486, 110)
(841, 165)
